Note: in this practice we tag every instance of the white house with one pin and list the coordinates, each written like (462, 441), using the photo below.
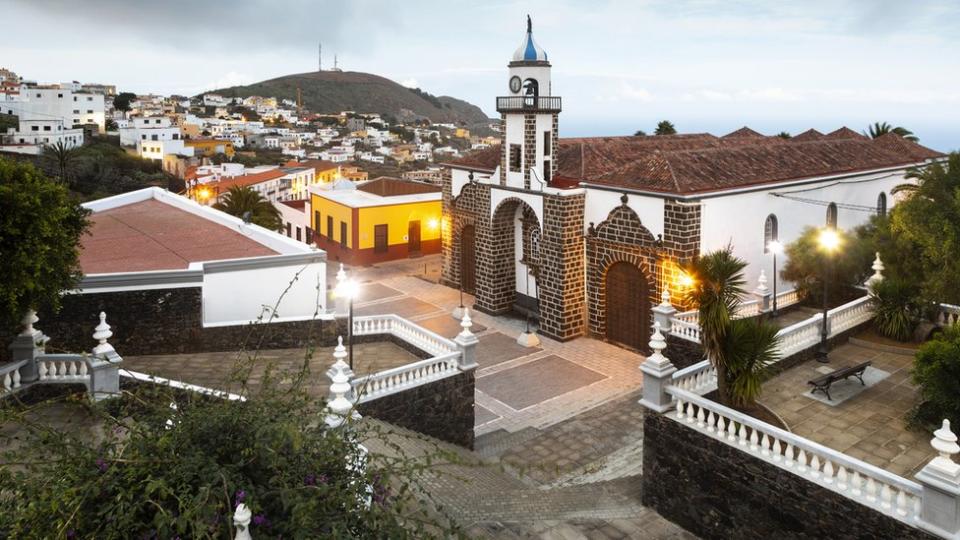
(63, 102)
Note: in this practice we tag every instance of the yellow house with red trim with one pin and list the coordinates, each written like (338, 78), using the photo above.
(375, 221)
(210, 147)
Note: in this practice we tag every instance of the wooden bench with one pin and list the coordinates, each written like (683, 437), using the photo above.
(822, 384)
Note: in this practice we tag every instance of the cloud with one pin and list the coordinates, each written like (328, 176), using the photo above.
(625, 91)
(410, 83)
(227, 80)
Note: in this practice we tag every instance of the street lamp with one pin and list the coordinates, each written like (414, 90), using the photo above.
(347, 288)
(776, 248)
(829, 241)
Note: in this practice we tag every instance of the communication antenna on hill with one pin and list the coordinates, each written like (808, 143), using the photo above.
(336, 65)
(319, 56)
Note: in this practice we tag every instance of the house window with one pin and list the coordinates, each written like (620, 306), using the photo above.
(76, 111)
(882, 204)
(546, 143)
(46, 128)
(832, 215)
(770, 232)
(288, 229)
(89, 111)
(343, 234)
(515, 158)
(34, 128)
(316, 220)
(299, 238)
(330, 228)
(309, 235)
(60, 96)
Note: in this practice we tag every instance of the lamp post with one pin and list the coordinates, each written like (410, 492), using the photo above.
(776, 248)
(347, 288)
(829, 241)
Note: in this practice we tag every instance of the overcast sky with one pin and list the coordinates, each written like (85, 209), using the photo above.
(620, 66)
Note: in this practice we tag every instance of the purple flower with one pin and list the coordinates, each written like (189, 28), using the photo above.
(71, 533)
(240, 496)
(312, 479)
(102, 465)
(261, 520)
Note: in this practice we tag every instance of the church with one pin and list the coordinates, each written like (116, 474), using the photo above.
(586, 233)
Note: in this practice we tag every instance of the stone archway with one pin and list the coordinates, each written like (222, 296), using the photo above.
(627, 305)
(504, 249)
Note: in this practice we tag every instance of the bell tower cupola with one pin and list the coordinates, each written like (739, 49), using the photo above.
(529, 116)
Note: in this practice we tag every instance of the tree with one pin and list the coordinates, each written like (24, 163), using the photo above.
(122, 101)
(110, 125)
(849, 265)
(244, 202)
(640, 133)
(879, 129)
(784, 135)
(928, 220)
(40, 228)
(936, 372)
(63, 157)
(665, 127)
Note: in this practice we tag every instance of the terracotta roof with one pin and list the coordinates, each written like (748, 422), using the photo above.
(316, 164)
(697, 163)
(151, 235)
(386, 186)
(299, 204)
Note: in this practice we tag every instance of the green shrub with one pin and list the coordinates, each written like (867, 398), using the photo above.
(806, 265)
(896, 312)
(936, 372)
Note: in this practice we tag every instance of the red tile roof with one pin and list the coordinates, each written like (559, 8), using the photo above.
(697, 163)
(299, 204)
(151, 235)
(317, 165)
(249, 179)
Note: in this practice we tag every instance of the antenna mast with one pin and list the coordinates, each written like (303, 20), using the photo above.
(319, 56)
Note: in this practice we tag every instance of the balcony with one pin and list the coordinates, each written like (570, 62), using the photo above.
(533, 104)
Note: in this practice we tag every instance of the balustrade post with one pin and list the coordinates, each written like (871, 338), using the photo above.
(104, 364)
(664, 312)
(877, 276)
(28, 345)
(339, 406)
(762, 293)
(940, 496)
(241, 520)
(467, 343)
(657, 374)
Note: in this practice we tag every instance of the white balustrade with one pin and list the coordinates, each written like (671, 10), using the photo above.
(799, 336)
(788, 298)
(700, 378)
(869, 485)
(10, 375)
(62, 367)
(947, 315)
(400, 378)
(688, 330)
(404, 329)
(748, 309)
(849, 315)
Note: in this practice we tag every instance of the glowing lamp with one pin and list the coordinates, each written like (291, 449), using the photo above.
(775, 247)
(686, 280)
(346, 289)
(433, 223)
(829, 240)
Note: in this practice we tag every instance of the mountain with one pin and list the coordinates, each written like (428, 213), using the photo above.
(335, 91)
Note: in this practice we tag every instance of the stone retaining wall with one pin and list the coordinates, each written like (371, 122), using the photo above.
(169, 321)
(718, 491)
(441, 409)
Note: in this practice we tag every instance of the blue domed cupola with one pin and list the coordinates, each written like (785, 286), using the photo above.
(529, 51)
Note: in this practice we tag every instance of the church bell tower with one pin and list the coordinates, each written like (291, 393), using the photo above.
(529, 115)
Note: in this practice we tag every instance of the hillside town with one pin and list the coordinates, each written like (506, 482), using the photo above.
(236, 317)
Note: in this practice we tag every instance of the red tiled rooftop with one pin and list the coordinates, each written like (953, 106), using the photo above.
(701, 162)
(151, 235)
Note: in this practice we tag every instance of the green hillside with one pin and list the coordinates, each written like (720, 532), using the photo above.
(335, 91)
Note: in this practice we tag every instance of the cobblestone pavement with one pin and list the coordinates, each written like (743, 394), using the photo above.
(870, 425)
(576, 479)
(218, 370)
(498, 354)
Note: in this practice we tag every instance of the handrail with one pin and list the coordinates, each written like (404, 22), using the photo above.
(53, 367)
(688, 330)
(867, 484)
(700, 378)
(947, 315)
(410, 332)
(11, 376)
(393, 380)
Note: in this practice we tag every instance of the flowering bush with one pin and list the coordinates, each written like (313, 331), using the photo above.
(172, 464)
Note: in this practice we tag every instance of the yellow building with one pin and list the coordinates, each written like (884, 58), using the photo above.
(379, 220)
(209, 147)
(462, 133)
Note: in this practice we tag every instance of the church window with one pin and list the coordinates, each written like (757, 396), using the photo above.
(832, 215)
(515, 157)
(546, 143)
(882, 204)
(770, 232)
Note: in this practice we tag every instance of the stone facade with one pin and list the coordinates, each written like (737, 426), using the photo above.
(170, 321)
(561, 281)
(529, 146)
(441, 409)
(717, 491)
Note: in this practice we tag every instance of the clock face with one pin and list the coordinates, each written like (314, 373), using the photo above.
(514, 84)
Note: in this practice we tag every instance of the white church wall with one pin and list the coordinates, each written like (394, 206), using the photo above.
(739, 219)
(599, 203)
(523, 271)
(514, 135)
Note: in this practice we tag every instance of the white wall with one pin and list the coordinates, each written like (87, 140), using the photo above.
(739, 219)
(241, 296)
(600, 203)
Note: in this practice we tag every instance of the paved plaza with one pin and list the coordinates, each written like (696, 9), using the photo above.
(871, 423)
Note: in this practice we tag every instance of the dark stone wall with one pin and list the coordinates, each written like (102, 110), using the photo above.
(441, 409)
(169, 321)
(718, 491)
(683, 353)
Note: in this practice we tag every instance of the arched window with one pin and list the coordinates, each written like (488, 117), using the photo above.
(882, 204)
(832, 215)
(770, 232)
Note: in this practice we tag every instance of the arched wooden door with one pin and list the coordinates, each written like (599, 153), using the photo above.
(468, 259)
(627, 306)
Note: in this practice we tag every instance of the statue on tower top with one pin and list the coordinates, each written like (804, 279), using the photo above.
(529, 25)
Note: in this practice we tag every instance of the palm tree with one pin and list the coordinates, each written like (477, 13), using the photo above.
(935, 181)
(878, 129)
(246, 203)
(738, 349)
(665, 127)
(63, 157)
